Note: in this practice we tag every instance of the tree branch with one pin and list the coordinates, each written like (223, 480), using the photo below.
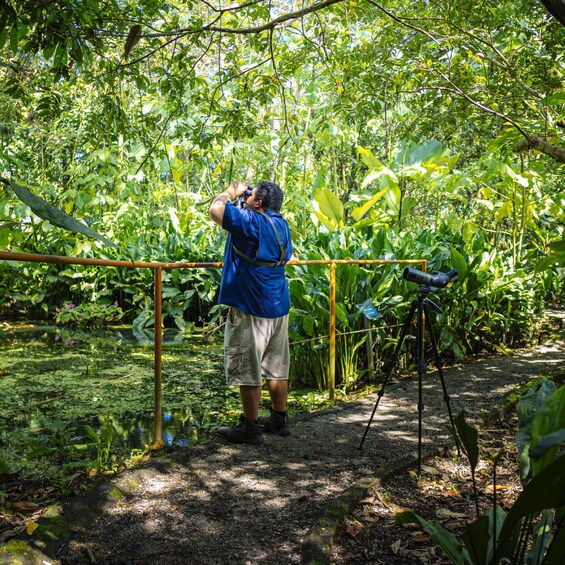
(281, 85)
(405, 23)
(264, 27)
(505, 64)
(529, 142)
(233, 8)
(543, 146)
(479, 105)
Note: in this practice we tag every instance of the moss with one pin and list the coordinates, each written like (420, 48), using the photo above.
(53, 526)
(17, 552)
(515, 396)
(116, 493)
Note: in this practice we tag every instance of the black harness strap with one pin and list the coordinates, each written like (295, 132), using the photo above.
(282, 250)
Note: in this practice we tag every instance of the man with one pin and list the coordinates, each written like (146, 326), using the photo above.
(254, 286)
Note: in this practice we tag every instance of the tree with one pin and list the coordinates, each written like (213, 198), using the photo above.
(469, 52)
(556, 8)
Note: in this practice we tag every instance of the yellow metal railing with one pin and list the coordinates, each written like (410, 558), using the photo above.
(158, 302)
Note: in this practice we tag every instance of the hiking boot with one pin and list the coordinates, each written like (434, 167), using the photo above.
(246, 431)
(275, 423)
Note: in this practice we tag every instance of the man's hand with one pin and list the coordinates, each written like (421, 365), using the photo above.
(234, 190)
(239, 187)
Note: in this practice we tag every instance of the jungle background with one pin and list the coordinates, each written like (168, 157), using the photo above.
(398, 130)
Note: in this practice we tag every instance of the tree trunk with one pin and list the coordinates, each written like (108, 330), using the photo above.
(556, 8)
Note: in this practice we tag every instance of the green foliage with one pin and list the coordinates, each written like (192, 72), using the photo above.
(88, 315)
(52, 214)
(103, 442)
(84, 406)
(498, 535)
(528, 409)
(136, 139)
(466, 438)
(555, 257)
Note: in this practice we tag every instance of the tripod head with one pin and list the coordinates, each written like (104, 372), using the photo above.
(423, 292)
(428, 281)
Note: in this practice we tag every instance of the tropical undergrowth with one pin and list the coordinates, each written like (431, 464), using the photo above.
(492, 305)
(414, 206)
(531, 529)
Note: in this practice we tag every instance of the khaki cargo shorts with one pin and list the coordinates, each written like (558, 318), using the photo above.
(255, 349)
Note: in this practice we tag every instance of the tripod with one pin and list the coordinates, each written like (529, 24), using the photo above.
(421, 305)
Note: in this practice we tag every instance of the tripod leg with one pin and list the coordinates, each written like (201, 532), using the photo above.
(438, 364)
(390, 366)
(420, 359)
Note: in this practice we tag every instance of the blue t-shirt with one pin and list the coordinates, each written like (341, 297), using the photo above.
(254, 289)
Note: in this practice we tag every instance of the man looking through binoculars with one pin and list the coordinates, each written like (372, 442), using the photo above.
(254, 286)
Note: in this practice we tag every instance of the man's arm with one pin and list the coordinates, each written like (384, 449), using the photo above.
(216, 211)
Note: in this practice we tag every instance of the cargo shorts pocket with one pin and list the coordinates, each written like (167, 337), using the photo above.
(237, 360)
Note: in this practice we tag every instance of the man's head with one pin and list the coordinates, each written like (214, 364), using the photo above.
(270, 194)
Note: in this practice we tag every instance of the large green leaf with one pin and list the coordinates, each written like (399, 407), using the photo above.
(419, 154)
(458, 262)
(52, 214)
(330, 205)
(545, 490)
(360, 211)
(444, 538)
(469, 437)
(369, 159)
(408, 204)
(556, 550)
(548, 427)
(328, 224)
(393, 196)
(417, 159)
(527, 408)
(479, 536)
(546, 443)
(556, 99)
(476, 539)
(557, 257)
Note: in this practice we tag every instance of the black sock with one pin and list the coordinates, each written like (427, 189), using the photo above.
(250, 420)
(282, 414)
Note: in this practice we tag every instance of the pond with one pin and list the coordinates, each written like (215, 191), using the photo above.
(61, 391)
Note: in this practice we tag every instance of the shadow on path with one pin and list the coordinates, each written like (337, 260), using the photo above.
(223, 504)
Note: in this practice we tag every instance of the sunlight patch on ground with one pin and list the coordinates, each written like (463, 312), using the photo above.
(156, 486)
(298, 466)
(252, 482)
(555, 361)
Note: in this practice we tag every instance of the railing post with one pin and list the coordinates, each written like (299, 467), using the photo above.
(158, 401)
(332, 331)
(369, 349)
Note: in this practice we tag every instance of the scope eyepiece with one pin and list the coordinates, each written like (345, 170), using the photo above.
(436, 279)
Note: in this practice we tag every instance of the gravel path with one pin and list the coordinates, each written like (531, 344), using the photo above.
(230, 504)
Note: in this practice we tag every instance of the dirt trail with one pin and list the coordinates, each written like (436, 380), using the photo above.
(230, 504)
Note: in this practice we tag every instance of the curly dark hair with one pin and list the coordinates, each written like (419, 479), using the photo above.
(270, 194)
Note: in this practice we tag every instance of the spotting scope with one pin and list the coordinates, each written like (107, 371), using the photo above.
(436, 279)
